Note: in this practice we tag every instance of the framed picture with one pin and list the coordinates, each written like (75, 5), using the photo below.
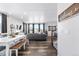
(51, 28)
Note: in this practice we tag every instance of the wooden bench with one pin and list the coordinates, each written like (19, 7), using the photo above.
(18, 46)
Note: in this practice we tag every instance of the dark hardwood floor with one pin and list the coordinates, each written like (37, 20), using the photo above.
(38, 48)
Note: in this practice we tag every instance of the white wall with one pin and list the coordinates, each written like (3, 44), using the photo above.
(62, 7)
(68, 36)
(14, 21)
(52, 23)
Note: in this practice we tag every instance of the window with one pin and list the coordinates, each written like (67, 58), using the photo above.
(25, 28)
(31, 28)
(41, 27)
(3, 23)
(36, 27)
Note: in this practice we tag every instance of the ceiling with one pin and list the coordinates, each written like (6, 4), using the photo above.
(46, 12)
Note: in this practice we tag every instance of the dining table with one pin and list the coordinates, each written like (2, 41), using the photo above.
(9, 41)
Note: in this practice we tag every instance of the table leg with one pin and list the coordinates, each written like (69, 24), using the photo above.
(7, 50)
(24, 46)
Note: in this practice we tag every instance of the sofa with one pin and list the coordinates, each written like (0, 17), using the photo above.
(37, 37)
